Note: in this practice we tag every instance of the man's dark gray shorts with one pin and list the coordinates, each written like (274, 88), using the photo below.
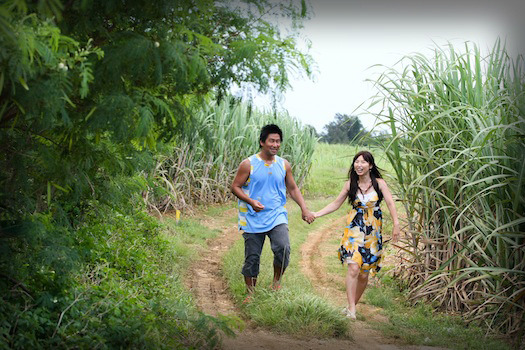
(253, 245)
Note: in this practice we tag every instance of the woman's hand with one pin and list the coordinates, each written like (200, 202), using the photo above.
(396, 233)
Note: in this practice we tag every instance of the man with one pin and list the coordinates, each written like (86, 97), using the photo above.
(260, 184)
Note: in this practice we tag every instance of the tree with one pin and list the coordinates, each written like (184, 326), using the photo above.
(88, 86)
(344, 129)
(89, 89)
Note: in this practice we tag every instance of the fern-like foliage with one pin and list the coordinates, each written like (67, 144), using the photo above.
(89, 89)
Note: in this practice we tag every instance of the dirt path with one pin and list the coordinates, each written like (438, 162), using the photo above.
(205, 279)
(331, 286)
(206, 282)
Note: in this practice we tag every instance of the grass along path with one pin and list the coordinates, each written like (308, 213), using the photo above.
(214, 295)
(204, 278)
(305, 313)
(384, 315)
(331, 286)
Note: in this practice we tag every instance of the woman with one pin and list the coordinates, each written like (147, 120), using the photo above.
(361, 245)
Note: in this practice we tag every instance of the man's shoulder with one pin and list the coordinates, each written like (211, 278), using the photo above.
(280, 159)
(245, 163)
(285, 163)
(252, 158)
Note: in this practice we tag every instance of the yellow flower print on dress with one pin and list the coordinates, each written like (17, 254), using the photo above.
(361, 241)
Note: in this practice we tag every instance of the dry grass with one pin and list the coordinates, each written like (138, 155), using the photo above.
(458, 139)
(202, 164)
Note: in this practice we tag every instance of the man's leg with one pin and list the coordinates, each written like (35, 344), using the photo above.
(253, 244)
(280, 243)
(250, 283)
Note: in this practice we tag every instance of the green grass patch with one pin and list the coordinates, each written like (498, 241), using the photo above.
(330, 166)
(295, 309)
(188, 238)
(217, 210)
(329, 169)
(303, 314)
(419, 324)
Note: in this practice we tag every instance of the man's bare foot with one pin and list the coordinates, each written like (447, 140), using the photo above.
(275, 286)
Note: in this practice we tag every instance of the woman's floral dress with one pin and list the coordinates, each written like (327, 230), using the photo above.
(362, 241)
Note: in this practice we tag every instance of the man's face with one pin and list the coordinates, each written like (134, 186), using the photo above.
(272, 144)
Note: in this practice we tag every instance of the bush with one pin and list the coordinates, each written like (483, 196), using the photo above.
(111, 283)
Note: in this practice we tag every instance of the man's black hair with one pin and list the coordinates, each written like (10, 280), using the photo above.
(267, 130)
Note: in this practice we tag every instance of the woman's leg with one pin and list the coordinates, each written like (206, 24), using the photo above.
(351, 285)
(362, 281)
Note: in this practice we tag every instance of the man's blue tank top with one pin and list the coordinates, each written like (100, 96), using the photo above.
(267, 185)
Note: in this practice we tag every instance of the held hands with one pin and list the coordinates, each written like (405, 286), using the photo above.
(308, 216)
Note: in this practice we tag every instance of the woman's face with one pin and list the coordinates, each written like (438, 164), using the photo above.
(361, 166)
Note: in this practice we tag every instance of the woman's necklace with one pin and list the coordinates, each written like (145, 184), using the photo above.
(365, 191)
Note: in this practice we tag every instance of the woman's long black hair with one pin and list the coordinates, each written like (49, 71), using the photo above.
(374, 175)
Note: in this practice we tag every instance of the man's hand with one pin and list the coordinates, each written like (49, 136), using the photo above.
(256, 205)
(308, 216)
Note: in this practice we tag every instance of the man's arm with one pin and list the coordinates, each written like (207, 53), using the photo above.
(240, 179)
(296, 195)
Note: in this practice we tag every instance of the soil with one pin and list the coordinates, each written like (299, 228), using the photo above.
(205, 280)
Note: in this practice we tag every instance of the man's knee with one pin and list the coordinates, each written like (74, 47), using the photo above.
(280, 242)
(251, 266)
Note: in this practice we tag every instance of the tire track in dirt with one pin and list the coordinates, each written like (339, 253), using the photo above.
(205, 280)
(332, 287)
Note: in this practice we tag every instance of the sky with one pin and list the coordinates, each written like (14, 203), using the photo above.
(349, 37)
